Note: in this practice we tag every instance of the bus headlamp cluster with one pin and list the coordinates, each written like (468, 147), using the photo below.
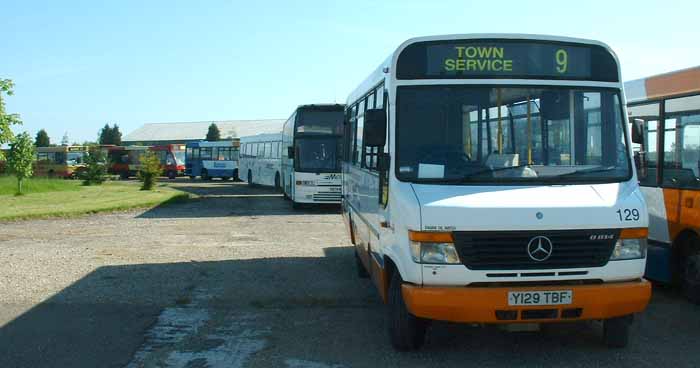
(435, 248)
(629, 249)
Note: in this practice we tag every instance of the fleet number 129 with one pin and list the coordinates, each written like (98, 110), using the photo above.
(628, 214)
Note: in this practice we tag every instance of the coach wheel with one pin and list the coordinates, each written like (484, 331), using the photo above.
(124, 175)
(171, 175)
(51, 174)
(250, 178)
(616, 331)
(235, 175)
(225, 178)
(406, 331)
(277, 182)
(690, 276)
(192, 177)
(205, 175)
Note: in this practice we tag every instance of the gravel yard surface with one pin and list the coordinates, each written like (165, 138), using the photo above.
(236, 278)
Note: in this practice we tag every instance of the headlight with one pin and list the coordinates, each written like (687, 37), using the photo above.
(306, 182)
(629, 249)
(433, 248)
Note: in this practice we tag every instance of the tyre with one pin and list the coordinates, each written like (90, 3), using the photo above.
(406, 331)
(172, 175)
(616, 331)
(205, 175)
(277, 182)
(361, 270)
(192, 177)
(250, 178)
(225, 178)
(124, 175)
(690, 276)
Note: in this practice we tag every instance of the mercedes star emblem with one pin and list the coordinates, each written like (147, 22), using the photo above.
(539, 248)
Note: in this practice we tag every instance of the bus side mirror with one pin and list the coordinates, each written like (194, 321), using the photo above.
(374, 131)
(383, 160)
(290, 152)
(637, 130)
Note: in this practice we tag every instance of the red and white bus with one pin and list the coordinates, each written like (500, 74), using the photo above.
(126, 161)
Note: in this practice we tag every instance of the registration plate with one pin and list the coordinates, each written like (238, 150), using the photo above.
(557, 297)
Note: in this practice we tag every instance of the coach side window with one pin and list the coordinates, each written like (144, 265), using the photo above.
(359, 147)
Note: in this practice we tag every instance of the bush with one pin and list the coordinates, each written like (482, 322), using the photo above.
(150, 170)
(95, 168)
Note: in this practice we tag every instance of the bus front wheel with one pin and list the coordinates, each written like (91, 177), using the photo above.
(277, 182)
(250, 178)
(616, 331)
(171, 175)
(406, 331)
(205, 175)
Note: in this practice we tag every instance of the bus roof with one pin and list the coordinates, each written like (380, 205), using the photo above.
(676, 83)
(268, 137)
(227, 143)
(62, 149)
(389, 64)
(328, 106)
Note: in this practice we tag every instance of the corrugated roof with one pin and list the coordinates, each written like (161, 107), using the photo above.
(188, 131)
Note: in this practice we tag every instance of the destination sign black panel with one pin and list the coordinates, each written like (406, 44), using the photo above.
(506, 59)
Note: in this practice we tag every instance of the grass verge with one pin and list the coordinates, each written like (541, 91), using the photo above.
(8, 185)
(110, 196)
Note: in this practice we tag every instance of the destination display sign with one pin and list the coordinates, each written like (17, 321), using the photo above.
(506, 59)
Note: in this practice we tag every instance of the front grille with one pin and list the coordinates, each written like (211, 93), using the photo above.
(327, 197)
(508, 250)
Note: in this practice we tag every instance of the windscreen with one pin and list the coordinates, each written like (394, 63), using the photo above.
(320, 122)
(510, 134)
(317, 154)
(179, 157)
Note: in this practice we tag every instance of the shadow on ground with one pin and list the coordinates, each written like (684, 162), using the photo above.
(227, 198)
(281, 311)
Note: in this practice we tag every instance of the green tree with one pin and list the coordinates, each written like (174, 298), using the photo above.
(6, 120)
(110, 135)
(42, 139)
(95, 167)
(105, 135)
(116, 136)
(213, 134)
(21, 158)
(150, 170)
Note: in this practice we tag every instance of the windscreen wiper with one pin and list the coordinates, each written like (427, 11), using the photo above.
(588, 171)
(487, 171)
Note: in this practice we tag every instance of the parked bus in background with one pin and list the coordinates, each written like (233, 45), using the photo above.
(260, 159)
(670, 103)
(126, 161)
(311, 148)
(489, 179)
(60, 161)
(212, 159)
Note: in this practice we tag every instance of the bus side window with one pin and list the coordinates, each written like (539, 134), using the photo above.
(647, 154)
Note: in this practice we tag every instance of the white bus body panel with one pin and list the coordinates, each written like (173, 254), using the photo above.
(658, 221)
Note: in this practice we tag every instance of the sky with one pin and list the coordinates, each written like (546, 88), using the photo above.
(80, 64)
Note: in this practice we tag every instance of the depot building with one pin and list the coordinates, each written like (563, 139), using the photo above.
(180, 133)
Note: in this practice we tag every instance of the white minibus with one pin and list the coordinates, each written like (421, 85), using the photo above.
(488, 179)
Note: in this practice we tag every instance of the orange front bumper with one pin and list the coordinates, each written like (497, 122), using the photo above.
(490, 304)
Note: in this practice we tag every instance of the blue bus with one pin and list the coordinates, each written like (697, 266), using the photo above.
(212, 159)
